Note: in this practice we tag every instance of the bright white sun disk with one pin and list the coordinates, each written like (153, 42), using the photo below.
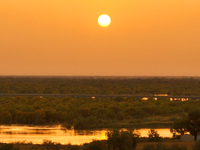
(104, 20)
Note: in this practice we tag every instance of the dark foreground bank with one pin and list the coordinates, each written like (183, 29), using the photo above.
(100, 145)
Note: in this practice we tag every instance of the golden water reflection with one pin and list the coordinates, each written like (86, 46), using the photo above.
(36, 134)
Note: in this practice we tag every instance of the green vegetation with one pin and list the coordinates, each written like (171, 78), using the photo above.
(100, 85)
(87, 113)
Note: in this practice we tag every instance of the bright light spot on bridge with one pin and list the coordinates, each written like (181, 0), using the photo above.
(160, 94)
(145, 98)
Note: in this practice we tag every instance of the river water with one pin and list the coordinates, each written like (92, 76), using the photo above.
(36, 134)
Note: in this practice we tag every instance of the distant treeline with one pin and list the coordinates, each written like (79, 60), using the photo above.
(83, 113)
(100, 85)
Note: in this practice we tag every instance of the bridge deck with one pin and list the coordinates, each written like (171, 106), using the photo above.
(98, 95)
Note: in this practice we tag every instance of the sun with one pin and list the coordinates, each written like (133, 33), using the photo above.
(104, 20)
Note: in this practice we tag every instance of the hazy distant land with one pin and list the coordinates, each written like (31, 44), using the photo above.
(144, 85)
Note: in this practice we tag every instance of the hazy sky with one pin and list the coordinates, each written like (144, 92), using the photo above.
(62, 37)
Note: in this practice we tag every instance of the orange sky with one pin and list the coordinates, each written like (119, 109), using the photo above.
(62, 37)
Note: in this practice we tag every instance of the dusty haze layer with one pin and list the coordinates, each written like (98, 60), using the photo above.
(48, 37)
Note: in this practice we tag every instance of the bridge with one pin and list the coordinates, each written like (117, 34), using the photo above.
(102, 95)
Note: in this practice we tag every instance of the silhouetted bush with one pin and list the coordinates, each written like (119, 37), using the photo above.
(121, 140)
(49, 145)
(96, 145)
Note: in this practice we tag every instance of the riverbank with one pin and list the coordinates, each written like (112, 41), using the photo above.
(154, 125)
(23, 146)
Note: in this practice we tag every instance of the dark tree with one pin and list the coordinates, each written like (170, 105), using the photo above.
(154, 136)
(194, 122)
(180, 126)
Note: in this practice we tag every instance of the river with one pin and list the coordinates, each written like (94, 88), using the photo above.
(36, 134)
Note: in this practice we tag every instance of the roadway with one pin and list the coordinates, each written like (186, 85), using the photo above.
(99, 95)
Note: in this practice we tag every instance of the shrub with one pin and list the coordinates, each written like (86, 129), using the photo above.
(49, 145)
(121, 140)
(96, 145)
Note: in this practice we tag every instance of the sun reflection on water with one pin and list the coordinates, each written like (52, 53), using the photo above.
(36, 134)
(103, 136)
